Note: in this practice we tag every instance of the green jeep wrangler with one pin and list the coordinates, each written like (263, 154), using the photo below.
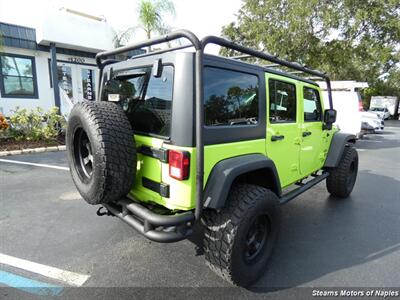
(182, 137)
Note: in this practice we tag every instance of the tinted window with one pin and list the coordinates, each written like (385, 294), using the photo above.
(282, 99)
(18, 76)
(230, 98)
(147, 100)
(312, 105)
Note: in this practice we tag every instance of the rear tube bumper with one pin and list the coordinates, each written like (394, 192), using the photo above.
(156, 227)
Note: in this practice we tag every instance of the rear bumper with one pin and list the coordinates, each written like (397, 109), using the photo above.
(156, 227)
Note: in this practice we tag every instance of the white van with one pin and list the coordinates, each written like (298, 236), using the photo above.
(347, 102)
(384, 105)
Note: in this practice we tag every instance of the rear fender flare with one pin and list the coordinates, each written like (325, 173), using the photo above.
(227, 171)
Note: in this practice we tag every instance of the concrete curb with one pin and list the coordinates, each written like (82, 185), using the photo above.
(33, 150)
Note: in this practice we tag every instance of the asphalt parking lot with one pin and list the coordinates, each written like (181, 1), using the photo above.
(324, 242)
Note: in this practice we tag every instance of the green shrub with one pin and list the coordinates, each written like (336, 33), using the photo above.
(35, 125)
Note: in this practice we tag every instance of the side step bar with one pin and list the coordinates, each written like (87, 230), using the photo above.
(156, 227)
(293, 194)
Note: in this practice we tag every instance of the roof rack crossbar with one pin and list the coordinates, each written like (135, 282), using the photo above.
(240, 56)
(255, 53)
(163, 51)
(153, 41)
(272, 58)
(272, 66)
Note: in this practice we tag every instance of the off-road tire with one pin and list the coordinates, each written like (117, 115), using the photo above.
(342, 179)
(226, 232)
(112, 148)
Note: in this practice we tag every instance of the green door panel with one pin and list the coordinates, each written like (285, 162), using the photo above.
(285, 152)
(314, 148)
(315, 140)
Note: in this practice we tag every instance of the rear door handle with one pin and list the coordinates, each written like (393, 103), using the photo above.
(277, 137)
(306, 133)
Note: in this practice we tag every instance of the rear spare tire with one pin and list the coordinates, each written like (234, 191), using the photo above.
(101, 151)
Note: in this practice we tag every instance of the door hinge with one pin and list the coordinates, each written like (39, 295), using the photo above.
(297, 141)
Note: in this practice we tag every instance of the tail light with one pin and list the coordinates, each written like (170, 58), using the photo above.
(360, 106)
(179, 164)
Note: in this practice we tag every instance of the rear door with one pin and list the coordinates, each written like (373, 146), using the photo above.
(283, 127)
(313, 137)
(147, 102)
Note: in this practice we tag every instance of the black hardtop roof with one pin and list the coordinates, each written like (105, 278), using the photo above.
(232, 61)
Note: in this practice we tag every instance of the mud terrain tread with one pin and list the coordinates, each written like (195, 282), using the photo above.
(117, 148)
(336, 183)
(221, 227)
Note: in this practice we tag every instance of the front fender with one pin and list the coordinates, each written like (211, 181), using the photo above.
(338, 143)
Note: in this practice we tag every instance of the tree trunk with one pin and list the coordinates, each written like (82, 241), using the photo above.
(148, 33)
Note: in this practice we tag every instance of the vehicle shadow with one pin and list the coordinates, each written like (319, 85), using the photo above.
(392, 123)
(377, 141)
(320, 235)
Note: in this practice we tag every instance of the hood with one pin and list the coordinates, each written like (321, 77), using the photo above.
(370, 115)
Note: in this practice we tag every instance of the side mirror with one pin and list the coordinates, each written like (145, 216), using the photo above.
(329, 118)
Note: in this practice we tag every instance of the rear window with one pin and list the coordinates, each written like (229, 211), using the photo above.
(146, 100)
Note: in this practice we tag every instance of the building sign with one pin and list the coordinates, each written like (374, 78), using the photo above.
(76, 60)
(65, 80)
(88, 84)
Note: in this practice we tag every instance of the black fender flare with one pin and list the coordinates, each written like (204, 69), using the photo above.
(338, 143)
(226, 171)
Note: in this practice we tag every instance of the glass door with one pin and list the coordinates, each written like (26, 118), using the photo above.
(67, 85)
(87, 83)
(65, 81)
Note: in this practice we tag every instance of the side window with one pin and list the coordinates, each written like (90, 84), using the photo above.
(282, 100)
(230, 98)
(312, 105)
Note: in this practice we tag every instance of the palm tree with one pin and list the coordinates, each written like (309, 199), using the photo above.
(151, 13)
(150, 17)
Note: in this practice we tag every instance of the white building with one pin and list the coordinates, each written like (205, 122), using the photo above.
(60, 52)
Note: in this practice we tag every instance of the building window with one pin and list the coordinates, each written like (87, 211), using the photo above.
(282, 99)
(230, 98)
(18, 76)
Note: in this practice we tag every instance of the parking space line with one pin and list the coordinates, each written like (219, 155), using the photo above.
(29, 285)
(33, 164)
(71, 278)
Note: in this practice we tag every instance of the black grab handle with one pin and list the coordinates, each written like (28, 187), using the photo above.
(277, 137)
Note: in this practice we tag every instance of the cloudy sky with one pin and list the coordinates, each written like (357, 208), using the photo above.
(203, 17)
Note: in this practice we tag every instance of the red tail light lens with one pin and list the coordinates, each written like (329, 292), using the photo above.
(360, 106)
(179, 164)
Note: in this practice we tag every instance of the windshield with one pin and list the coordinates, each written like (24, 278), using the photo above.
(146, 100)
